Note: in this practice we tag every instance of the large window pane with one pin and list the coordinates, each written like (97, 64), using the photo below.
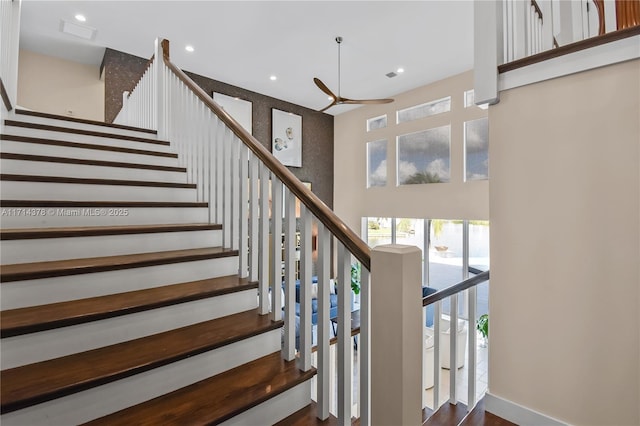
(377, 163)
(476, 149)
(479, 259)
(378, 231)
(424, 157)
(424, 110)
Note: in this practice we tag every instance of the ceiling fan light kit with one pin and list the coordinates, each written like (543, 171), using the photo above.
(339, 100)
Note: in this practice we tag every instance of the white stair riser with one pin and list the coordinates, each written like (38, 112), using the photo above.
(92, 140)
(114, 216)
(18, 190)
(47, 249)
(81, 126)
(274, 409)
(85, 153)
(97, 402)
(35, 347)
(42, 291)
(43, 168)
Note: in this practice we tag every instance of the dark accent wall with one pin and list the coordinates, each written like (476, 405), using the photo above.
(122, 71)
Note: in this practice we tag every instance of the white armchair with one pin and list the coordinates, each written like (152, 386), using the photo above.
(462, 334)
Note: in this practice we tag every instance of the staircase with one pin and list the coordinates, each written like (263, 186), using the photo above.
(119, 305)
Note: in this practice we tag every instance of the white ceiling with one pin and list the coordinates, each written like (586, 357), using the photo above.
(244, 42)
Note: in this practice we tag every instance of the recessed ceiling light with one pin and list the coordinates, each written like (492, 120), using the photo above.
(273, 78)
(189, 48)
(400, 70)
(81, 18)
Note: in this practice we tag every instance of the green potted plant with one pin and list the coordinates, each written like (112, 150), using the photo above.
(482, 325)
(355, 278)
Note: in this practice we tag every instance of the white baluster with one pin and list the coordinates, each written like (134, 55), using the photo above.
(227, 188)
(305, 289)
(263, 256)
(289, 348)
(276, 249)
(218, 171)
(437, 315)
(471, 397)
(365, 348)
(254, 241)
(235, 191)
(211, 161)
(243, 231)
(345, 396)
(324, 306)
(453, 350)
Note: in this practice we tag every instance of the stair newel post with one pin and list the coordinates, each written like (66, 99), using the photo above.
(364, 347)
(254, 238)
(396, 335)
(263, 252)
(324, 306)
(305, 289)
(289, 348)
(276, 249)
(161, 106)
(244, 211)
(345, 367)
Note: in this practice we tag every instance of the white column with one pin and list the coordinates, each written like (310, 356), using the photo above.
(487, 48)
(396, 335)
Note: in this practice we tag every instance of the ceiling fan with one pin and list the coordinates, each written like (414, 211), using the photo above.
(339, 100)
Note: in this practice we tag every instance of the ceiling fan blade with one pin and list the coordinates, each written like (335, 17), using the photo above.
(366, 101)
(324, 87)
(327, 107)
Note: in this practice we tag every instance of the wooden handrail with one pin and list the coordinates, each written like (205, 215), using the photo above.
(535, 5)
(456, 288)
(600, 9)
(5, 96)
(337, 227)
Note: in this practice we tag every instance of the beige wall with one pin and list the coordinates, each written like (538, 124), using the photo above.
(55, 85)
(453, 200)
(565, 247)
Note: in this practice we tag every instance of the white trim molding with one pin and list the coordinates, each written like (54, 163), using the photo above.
(606, 54)
(517, 413)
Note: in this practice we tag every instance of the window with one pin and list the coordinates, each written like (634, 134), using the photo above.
(424, 157)
(378, 231)
(377, 163)
(377, 123)
(469, 96)
(476, 149)
(424, 110)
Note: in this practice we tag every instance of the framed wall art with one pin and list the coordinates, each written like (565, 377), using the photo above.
(286, 140)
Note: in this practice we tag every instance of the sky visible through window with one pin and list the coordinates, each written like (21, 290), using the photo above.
(424, 157)
(377, 163)
(476, 142)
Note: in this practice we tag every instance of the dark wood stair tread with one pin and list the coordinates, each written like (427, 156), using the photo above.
(479, 417)
(80, 161)
(43, 381)
(92, 231)
(83, 121)
(75, 203)
(308, 416)
(52, 128)
(447, 414)
(90, 181)
(68, 144)
(218, 398)
(59, 268)
(14, 322)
